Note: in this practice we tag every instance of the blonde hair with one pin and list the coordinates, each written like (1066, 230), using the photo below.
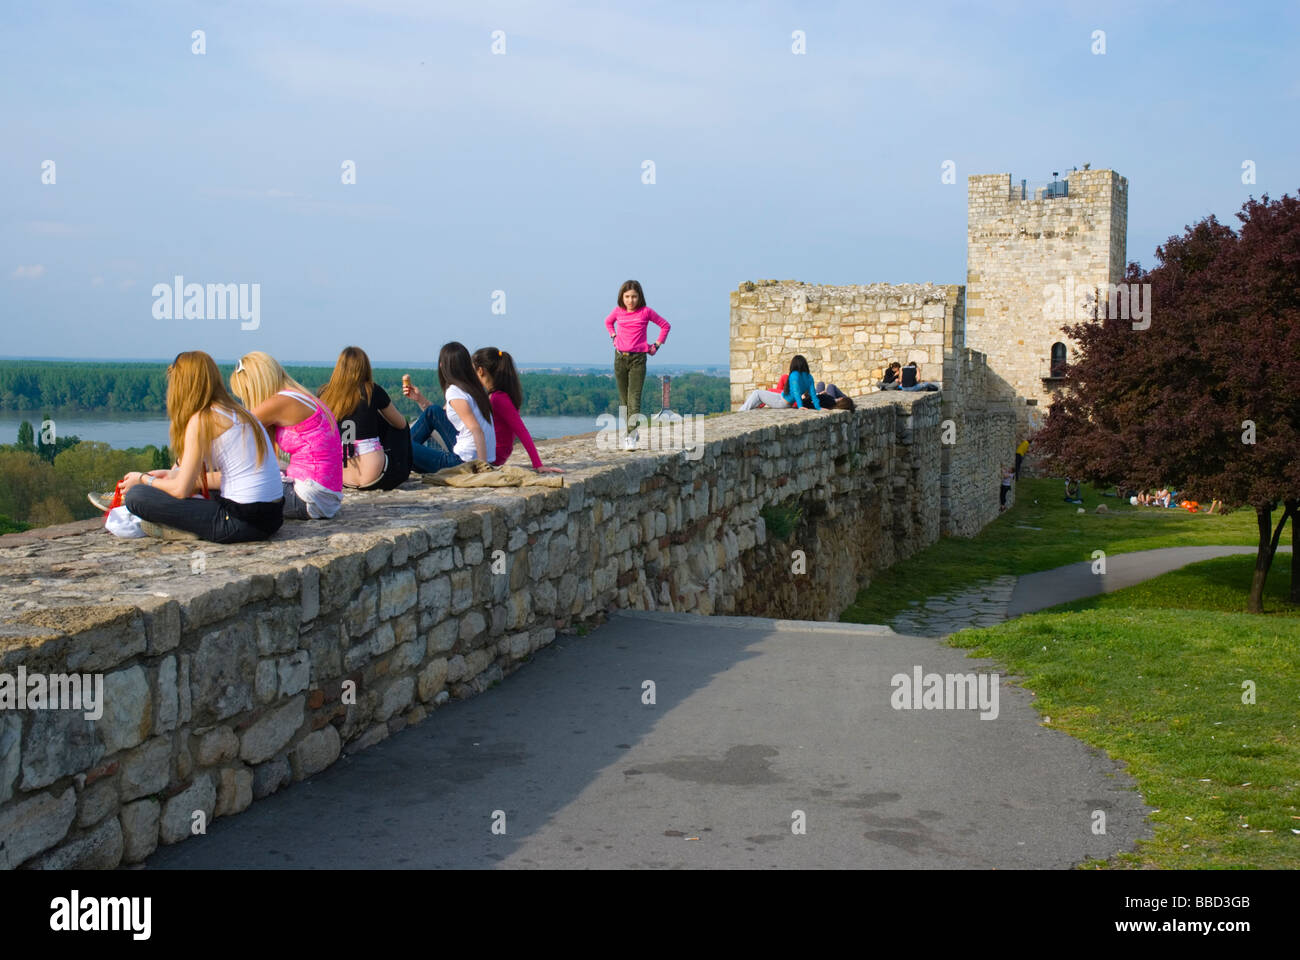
(194, 387)
(258, 376)
(350, 383)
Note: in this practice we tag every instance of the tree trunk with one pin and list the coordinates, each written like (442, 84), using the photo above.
(1268, 540)
(1294, 505)
(1263, 559)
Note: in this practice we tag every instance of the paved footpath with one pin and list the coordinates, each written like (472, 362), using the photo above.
(993, 601)
(754, 719)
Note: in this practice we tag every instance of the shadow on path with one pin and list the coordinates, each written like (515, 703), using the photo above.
(754, 720)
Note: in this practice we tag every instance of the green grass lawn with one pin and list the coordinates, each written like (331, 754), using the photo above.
(1153, 675)
(1031, 537)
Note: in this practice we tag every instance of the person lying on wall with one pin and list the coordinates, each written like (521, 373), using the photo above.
(831, 397)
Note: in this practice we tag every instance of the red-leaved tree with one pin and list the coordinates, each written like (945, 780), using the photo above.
(1207, 399)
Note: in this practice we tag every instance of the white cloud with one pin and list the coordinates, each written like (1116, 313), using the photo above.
(31, 273)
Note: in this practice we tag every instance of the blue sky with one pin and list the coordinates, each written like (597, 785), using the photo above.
(522, 172)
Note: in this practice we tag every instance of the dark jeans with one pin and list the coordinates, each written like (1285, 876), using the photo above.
(219, 520)
(629, 374)
(1019, 459)
(429, 459)
(295, 508)
(1005, 489)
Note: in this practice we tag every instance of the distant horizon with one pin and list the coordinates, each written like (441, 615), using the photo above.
(418, 365)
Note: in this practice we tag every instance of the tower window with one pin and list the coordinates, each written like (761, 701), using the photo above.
(1058, 361)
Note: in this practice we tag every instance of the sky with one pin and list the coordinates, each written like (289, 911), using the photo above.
(515, 181)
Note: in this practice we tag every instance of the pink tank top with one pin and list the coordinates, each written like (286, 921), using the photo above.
(314, 446)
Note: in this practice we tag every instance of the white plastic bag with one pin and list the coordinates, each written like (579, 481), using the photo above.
(121, 522)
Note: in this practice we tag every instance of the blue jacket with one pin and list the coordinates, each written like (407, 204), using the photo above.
(796, 385)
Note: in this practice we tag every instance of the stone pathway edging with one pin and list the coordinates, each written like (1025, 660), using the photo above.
(1003, 598)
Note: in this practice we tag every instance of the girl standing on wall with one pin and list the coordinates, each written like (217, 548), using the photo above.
(496, 371)
(217, 444)
(303, 428)
(626, 326)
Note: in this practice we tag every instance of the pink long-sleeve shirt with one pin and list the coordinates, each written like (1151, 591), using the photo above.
(631, 329)
(508, 424)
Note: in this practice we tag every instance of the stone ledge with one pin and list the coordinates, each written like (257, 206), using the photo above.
(231, 671)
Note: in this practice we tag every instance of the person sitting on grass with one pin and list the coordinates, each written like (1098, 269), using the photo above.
(218, 444)
(1072, 491)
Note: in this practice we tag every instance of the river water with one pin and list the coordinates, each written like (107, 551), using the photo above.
(123, 431)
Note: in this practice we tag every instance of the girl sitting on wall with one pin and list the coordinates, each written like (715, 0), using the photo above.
(376, 443)
(304, 429)
(496, 371)
(800, 390)
(464, 423)
(218, 444)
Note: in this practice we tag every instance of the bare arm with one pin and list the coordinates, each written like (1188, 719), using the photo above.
(184, 480)
(280, 411)
(395, 419)
(467, 417)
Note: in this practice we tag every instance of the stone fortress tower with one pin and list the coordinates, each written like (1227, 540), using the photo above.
(1034, 254)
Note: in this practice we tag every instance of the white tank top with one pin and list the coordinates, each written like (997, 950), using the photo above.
(234, 453)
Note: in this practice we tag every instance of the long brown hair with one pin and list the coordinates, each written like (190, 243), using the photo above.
(194, 387)
(500, 366)
(351, 382)
(455, 367)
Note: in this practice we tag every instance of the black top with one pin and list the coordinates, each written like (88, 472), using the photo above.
(891, 375)
(365, 416)
(909, 376)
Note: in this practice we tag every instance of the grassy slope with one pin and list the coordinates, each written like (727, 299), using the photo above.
(1006, 546)
(1153, 675)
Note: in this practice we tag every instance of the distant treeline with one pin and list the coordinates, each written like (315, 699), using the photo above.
(32, 385)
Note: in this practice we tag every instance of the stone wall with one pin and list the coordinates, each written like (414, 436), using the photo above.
(983, 440)
(848, 334)
(233, 671)
(1020, 255)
